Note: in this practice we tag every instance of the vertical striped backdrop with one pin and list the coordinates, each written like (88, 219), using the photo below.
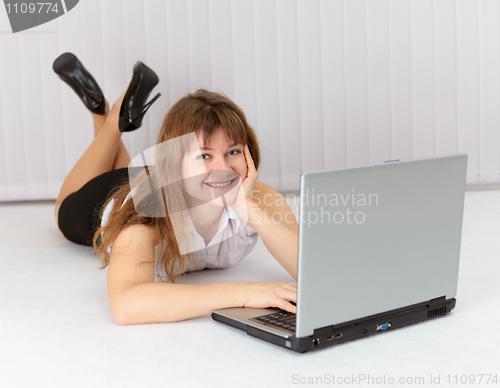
(325, 83)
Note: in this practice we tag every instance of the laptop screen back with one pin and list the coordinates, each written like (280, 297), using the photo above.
(376, 238)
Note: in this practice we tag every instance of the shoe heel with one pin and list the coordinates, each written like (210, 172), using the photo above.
(147, 106)
(136, 122)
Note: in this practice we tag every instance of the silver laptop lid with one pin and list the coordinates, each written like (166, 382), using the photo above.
(376, 238)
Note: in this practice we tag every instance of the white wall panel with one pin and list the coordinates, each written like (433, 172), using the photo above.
(489, 92)
(266, 80)
(325, 83)
(14, 149)
(400, 70)
(289, 99)
(245, 87)
(31, 122)
(468, 104)
(221, 50)
(333, 91)
(156, 57)
(378, 81)
(445, 54)
(423, 80)
(310, 85)
(176, 42)
(356, 82)
(200, 53)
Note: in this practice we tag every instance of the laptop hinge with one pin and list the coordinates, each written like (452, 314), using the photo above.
(436, 301)
(323, 331)
(328, 330)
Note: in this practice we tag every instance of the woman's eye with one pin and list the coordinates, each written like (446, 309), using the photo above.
(235, 152)
(203, 156)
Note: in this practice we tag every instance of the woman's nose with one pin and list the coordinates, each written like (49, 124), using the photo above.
(220, 164)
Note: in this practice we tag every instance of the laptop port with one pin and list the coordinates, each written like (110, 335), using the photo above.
(336, 336)
(384, 326)
(316, 342)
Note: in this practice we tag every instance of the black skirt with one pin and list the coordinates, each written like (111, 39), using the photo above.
(79, 213)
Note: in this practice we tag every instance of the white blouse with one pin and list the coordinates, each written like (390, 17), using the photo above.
(225, 249)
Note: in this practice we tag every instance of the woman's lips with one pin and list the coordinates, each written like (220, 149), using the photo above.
(220, 185)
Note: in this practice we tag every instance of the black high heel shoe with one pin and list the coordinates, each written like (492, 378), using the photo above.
(134, 105)
(70, 70)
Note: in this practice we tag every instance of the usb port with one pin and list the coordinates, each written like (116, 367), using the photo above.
(384, 326)
(336, 336)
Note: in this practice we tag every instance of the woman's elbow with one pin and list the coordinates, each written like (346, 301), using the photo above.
(121, 311)
(122, 317)
(132, 313)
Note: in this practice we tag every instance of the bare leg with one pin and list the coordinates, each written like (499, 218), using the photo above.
(122, 158)
(99, 157)
(99, 120)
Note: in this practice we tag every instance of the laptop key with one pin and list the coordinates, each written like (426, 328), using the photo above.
(281, 319)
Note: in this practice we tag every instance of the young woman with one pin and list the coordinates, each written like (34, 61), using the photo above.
(199, 206)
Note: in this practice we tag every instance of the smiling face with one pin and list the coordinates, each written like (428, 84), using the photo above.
(213, 170)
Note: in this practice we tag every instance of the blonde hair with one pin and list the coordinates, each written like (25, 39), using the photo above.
(204, 112)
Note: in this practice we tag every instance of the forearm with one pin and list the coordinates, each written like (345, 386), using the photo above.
(281, 240)
(168, 302)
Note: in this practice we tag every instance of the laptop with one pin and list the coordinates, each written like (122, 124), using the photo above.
(379, 249)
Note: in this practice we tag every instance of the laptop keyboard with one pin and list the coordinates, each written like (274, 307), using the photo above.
(281, 319)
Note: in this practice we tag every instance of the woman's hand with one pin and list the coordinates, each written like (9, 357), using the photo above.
(278, 294)
(248, 183)
(246, 187)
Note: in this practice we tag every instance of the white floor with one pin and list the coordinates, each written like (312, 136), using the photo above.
(57, 330)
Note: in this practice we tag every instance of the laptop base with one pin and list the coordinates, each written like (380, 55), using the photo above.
(347, 331)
